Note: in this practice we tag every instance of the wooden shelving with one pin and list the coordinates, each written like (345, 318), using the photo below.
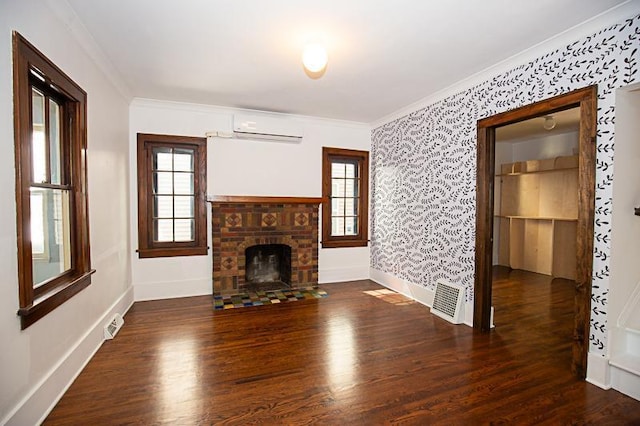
(567, 219)
(536, 171)
(537, 216)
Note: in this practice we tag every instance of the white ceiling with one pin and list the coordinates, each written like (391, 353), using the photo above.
(383, 55)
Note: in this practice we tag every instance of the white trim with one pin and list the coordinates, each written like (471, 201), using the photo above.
(172, 289)
(468, 314)
(337, 275)
(598, 371)
(220, 109)
(65, 13)
(591, 26)
(625, 382)
(45, 394)
(416, 292)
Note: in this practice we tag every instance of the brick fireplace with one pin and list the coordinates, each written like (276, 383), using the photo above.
(245, 225)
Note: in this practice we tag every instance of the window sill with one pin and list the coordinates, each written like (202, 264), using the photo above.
(171, 252)
(46, 303)
(344, 243)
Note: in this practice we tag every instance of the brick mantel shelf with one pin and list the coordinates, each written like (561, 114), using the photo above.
(263, 200)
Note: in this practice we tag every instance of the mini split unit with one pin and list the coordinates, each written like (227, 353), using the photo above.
(259, 127)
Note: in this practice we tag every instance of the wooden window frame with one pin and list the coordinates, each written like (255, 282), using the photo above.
(147, 248)
(361, 237)
(32, 69)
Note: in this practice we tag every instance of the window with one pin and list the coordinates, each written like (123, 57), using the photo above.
(50, 113)
(345, 183)
(172, 215)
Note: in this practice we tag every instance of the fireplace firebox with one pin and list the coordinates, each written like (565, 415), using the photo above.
(267, 267)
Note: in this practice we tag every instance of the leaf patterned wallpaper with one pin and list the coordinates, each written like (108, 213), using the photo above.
(424, 165)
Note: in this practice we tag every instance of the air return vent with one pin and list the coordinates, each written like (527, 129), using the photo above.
(112, 327)
(448, 302)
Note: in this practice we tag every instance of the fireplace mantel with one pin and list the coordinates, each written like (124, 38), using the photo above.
(248, 199)
(240, 222)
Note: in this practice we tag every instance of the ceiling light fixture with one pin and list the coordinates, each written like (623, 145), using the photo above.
(314, 59)
(549, 122)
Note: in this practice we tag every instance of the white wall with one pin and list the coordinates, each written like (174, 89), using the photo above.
(240, 167)
(38, 363)
(625, 226)
(549, 146)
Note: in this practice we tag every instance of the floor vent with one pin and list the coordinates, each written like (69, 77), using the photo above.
(448, 302)
(112, 327)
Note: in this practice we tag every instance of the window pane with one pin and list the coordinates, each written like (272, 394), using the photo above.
(54, 142)
(53, 218)
(37, 111)
(350, 188)
(37, 222)
(184, 206)
(163, 183)
(163, 159)
(337, 170)
(337, 226)
(163, 230)
(350, 226)
(183, 160)
(38, 148)
(351, 207)
(351, 170)
(163, 206)
(337, 187)
(184, 230)
(183, 183)
(337, 207)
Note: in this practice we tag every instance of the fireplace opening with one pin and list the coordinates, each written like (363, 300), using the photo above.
(267, 267)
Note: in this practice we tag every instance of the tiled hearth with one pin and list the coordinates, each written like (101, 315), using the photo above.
(242, 222)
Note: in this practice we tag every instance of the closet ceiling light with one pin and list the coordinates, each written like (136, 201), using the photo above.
(549, 122)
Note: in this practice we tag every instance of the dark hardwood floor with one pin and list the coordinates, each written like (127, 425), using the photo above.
(352, 358)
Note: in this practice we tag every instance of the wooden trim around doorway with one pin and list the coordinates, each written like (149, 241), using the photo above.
(586, 100)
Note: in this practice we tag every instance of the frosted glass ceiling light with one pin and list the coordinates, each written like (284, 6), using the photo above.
(549, 122)
(314, 58)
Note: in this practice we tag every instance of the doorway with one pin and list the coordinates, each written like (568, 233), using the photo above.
(586, 100)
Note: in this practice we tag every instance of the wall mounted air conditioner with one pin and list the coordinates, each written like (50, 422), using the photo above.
(260, 127)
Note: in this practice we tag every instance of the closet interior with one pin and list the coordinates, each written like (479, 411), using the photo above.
(536, 195)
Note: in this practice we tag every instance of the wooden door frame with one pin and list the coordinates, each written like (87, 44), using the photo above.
(586, 100)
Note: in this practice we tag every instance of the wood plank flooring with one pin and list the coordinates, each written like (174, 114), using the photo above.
(352, 358)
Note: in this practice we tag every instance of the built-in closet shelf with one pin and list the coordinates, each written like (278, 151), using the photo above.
(565, 219)
(537, 216)
(539, 166)
(536, 172)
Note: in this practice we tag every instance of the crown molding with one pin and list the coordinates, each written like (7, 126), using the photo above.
(589, 27)
(63, 11)
(218, 109)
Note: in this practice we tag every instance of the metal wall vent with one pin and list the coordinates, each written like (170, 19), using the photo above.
(112, 327)
(448, 302)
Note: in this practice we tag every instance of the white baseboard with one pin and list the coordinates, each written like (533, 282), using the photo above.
(625, 382)
(598, 371)
(172, 289)
(416, 292)
(39, 402)
(342, 274)
(468, 314)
